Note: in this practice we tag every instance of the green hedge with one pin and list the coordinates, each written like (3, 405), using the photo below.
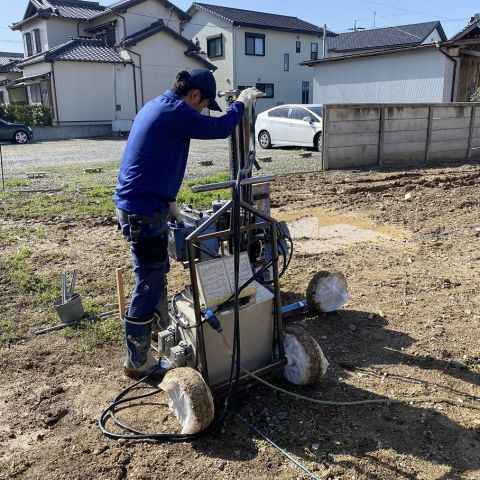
(31, 115)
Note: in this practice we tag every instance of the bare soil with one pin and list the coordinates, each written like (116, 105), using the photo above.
(411, 329)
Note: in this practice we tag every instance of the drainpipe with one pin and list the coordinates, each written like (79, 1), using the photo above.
(234, 59)
(141, 73)
(55, 94)
(324, 40)
(135, 87)
(114, 79)
(454, 60)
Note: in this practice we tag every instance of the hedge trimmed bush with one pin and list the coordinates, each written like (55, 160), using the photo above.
(31, 115)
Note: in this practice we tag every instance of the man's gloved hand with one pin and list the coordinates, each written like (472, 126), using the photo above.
(174, 210)
(246, 96)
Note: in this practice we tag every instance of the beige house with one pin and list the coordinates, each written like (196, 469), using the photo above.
(98, 65)
(9, 72)
(257, 49)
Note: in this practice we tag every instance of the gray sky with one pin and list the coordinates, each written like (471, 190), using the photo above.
(339, 15)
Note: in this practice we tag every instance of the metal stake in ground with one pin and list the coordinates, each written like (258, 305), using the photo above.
(1, 163)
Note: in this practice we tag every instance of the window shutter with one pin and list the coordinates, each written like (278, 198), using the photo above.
(38, 44)
(28, 44)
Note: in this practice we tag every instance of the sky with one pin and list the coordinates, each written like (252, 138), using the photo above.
(338, 15)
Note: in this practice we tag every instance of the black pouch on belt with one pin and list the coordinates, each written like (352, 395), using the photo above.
(152, 249)
(135, 223)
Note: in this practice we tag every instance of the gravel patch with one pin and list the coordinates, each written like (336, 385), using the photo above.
(65, 161)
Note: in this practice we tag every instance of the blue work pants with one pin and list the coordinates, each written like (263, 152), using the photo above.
(148, 239)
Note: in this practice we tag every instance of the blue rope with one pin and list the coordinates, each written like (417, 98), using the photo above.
(281, 450)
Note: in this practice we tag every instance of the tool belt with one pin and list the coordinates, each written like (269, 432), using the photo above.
(149, 244)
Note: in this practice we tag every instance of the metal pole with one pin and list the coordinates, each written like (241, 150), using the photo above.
(1, 163)
(324, 47)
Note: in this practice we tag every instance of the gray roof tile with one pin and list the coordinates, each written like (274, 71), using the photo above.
(9, 57)
(253, 19)
(159, 26)
(71, 9)
(399, 36)
(77, 50)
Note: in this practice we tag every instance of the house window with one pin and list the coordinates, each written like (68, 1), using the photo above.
(254, 44)
(38, 43)
(314, 51)
(286, 62)
(107, 37)
(27, 42)
(35, 93)
(215, 46)
(2, 96)
(266, 88)
(298, 46)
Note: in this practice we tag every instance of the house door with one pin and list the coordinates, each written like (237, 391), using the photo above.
(305, 92)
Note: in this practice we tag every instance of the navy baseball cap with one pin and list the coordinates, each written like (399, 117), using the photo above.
(204, 80)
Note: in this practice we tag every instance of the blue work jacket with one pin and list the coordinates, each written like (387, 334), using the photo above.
(155, 157)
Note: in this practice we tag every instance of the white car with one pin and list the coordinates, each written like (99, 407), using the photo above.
(290, 125)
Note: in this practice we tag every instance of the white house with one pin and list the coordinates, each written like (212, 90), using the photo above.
(97, 65)
(257, 49)
(403, 64)
(9, 72)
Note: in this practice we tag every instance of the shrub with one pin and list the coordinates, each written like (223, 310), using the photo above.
(7, 112)
(24, 114)
(32, 115)
(475, 97)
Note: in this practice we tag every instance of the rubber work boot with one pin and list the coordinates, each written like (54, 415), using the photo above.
(160, 318)
(140, 360)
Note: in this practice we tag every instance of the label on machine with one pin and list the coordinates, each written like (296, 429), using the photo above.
(216, 279)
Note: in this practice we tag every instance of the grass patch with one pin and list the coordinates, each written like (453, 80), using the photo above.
(89, 335)
(17, 183)
(10, 331)
(20, 269)
(204, 199)
(96, 202)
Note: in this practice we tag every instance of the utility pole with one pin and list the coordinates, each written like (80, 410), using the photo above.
(374, 18)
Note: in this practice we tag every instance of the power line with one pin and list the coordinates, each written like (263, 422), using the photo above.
(399, 29)
(374, 2)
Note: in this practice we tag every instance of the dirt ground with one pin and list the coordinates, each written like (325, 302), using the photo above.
(411, 329)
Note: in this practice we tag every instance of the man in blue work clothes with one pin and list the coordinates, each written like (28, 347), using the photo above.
(151, 172)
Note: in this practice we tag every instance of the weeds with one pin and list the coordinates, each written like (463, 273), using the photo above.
(94, 202)
(90, 335)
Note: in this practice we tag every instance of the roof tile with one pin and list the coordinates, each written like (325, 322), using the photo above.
(402, 35)
(77, 50)
(260, 19)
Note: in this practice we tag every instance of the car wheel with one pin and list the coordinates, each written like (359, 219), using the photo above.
(264, 139)
(317, 142)
(20, 137)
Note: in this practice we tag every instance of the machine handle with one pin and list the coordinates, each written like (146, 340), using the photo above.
(231, 183)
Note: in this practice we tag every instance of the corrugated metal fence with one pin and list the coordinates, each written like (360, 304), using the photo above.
(399, 134)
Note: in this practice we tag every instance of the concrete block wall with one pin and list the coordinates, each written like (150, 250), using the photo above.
(71, 131)
(399, 134)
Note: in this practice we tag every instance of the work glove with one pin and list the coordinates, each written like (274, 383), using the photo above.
(248, 95)
(174, 210)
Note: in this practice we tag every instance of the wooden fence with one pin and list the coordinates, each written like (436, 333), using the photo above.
(399, 134)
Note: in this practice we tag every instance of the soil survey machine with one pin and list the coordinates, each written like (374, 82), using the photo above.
(225, 328)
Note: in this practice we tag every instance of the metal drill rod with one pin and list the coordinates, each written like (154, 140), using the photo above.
(231, 183)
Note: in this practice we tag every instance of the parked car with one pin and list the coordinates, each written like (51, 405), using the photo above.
(15, 132)
(297, 125)
(290, 125)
